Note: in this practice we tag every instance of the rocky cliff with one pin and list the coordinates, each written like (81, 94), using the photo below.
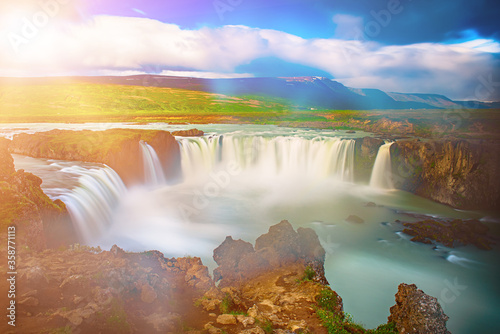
(462, 174)
(38, 220)
(117, 148)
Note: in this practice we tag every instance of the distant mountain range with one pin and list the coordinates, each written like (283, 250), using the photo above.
(300, 92)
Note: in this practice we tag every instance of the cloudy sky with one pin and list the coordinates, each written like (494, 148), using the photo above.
(448, 47)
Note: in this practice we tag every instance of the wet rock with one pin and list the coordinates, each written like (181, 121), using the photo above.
(417, 313)
(355, 219)
(450, 233)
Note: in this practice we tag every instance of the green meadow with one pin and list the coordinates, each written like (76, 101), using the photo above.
(87, 102)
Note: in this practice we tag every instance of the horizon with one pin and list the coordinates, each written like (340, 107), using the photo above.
(411, 47)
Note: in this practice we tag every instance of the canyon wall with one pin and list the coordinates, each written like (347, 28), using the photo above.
(461, 173)
(117, 148)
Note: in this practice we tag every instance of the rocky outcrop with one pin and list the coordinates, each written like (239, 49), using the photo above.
(450, 233)
(39, 221)
(238, 260)
(365, 153)
(463, 174)
(117, 148)
(87, 290)
(417, 313)
(188, 133)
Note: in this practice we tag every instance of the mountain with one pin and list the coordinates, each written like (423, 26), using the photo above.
(300, 92)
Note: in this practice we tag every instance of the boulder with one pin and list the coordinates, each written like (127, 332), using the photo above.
(417, 313)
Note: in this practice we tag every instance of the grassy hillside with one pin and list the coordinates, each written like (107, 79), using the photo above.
(96, 102)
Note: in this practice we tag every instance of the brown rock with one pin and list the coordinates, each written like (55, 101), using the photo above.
(417, 313)
(226, 319)
(188, 133)
(148, 294)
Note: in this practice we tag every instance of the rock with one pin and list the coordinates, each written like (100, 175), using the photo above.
(117, 148)
(283, 240)
(281, 246)
(255, 330)
(417, 313)
(354, 219)
(226, 319)
(450, 233)
(371, 205)
(29, 301)
(117, 251)
(148, 294)
(245, 321)
(188, 133)
(459, 173)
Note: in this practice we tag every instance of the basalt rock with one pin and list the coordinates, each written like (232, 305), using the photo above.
(459, 173)
(365, 153)
(281, 246)
(417, 313)
(450, 233)
(117, 148)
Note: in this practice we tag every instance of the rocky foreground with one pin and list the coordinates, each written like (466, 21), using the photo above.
(276, 286)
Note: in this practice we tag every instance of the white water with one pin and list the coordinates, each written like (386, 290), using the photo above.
(91, 192)
(270, 157)
(382, 171)
(243, 182)
(153, 170)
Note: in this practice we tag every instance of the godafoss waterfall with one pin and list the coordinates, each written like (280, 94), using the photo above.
(239, 180)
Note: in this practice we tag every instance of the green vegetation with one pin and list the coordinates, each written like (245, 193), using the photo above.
(117, 318)
(340, 323)
(266, 325)
(86, 102)
(309, 274)
(227, 304)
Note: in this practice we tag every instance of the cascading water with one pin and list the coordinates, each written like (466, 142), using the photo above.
(91, 204)
(153, 171)
(382, 171)
(270, 156)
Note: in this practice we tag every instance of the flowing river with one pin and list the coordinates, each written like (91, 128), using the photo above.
(240, 179)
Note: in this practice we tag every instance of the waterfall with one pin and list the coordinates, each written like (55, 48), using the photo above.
(92, 202)
(270, 156)
(153, 171)
(382, 171)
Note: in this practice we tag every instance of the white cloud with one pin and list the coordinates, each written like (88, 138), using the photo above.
(129, 45)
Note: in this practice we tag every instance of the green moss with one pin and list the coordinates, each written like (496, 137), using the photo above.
(327, 300)
(227, 304)
(389, 328)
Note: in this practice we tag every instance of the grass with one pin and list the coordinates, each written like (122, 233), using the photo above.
(87, 102)
(226, 305)
(342, 323)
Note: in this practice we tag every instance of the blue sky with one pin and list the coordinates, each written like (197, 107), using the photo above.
(448, 46)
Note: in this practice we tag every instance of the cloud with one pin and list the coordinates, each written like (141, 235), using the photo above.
(129, 45)
(348, 26)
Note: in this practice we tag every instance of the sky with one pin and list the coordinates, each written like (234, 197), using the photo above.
(449, 47)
